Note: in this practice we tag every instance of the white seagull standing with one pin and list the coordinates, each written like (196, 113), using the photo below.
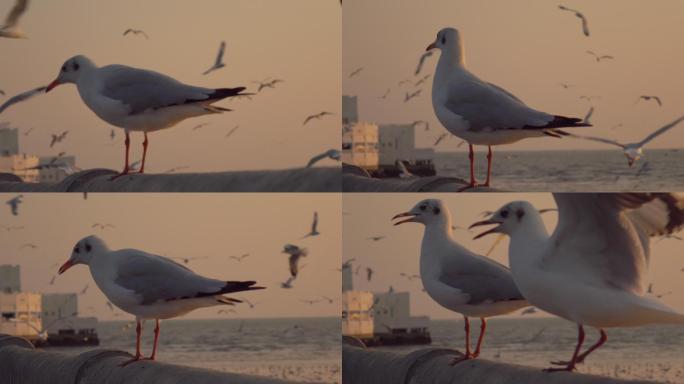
(482, 113)
(11, 27)
(150, 286)
(633, 151)
(137, 99)
(458, 279)
(591, 269)
(218, 64)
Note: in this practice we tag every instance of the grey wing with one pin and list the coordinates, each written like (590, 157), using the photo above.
(585, 24)
(597, 139)
(21, 97)
(143, 90)
(219, 57)
(154, 278)
(483, 279)
(662, 216)
(660, 131)
(16, 12)
(597, 239)
(294, 268)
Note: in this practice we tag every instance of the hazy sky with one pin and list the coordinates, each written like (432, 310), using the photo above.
(527, 47)
(370, 215)
(185, 225)
(294, 40)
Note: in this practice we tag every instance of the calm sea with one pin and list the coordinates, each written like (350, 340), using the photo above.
(651, 353)
(661, 170)
(306, 349)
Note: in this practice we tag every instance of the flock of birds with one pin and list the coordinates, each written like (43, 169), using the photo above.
(482, 113)
(137, 100)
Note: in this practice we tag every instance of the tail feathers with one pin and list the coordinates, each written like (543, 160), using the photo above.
(559, 122)
(222, 93)
(227, 300)
(656, 312)
(230, 287)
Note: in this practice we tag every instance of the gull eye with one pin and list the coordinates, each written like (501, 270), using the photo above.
(443, 39)
(77, 250)
(504, 214)
(63, 68)
(88, 247)
(76, 66)
(423, 207)
(436, 210)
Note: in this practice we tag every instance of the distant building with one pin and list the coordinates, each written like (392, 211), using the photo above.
(392, 313)
(396, 142)
(20, 313)
(22, 165)
(360, 145)
(350, 110)
(57, 306)
(347, 278)
(357, 314)
(9, 140)
(10, 279)
(56, 174)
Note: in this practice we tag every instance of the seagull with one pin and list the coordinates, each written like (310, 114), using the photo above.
(84, 290)
(218, 64)
(14, 204)
(587, 117)
(330, 300)
(28, 131)
(28, 245)
(648, 98)
(421, 61)
(422, 80)
(355, 72)
(112, 135)
(22, 97)
(310, 302)
(369, 273)
(287, 284)
(11, 27)
(404, 173)
(198, 126)
(601, 57)
(251, 304)
(375, 238)
(633, 151)
(482, 113)
(230, 133)
(150, 286)
(458, 279)
(412, 95)
(186, 260)
(314, 226)
(585, 26)
(137, 99)
(240, 258)
(295, 253)
(384, 95)
(440, 138)
(421, 122)
(136, 32)
(333, 154)
(226, 311)
(52, 281)
(317, 116)
(58, 138)
(590, 271)
(103, 226)
(268, 83)
(564, 85)
(402, 82)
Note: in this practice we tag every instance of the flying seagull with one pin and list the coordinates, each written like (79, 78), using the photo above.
(268, 83)
(149, 286)
(600, 57)
(14, 204)
(11, 27)
(314, 226)
(333, 154)
(412, 95)
(58, 138)
(355, 72)
(578, 14)
(138, 100)
(22, 97)
(239, 258)
(232, 130)
(587, 117)
(421, 122)
(295, 253)
(421, 61)
(136, 32)
(375, 238)
(633, 151)
(647, 98)
(218, 64)
(317, 116)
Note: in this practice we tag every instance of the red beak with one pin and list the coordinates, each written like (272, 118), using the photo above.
(411, 218)
(485, 222)
(431, 46)
(52, 85)
(65, 266)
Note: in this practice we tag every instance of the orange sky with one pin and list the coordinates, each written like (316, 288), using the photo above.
(527, 47)
(370, 215)
(294, 40)
(215, 226)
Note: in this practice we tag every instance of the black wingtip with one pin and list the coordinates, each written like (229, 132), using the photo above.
(222, 93)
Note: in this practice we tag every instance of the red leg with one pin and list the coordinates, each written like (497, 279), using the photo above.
(156, 340)
(483, 328)
(489, 166)
(128, 147)
(571, 364)
(471, 157)
(582, 356)
(467, 355)
(138, 356)
(145, 143)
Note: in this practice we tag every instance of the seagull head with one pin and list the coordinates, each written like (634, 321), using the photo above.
(83, 252)
(633, 154)
(71, 71)
(428, 212)
(509, 218)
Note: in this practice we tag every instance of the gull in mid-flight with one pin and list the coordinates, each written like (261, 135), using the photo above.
(333, 154)
(422, 79)
(600, 57)
(314, 226)
(218, 63)
(648, 98)
(412, 95)
(136, 32)
(421, 122)
(295, 253)
(103, 226)
(587, 117)
(239, 258)
(317, 116)
(268, 83)
(421, 61)
(21, 97)
(11, 27)
(355, 72)
(585, 25)
(480, 112)
(58, 138)
(633, 151)
(384, 95)
(14, 204)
